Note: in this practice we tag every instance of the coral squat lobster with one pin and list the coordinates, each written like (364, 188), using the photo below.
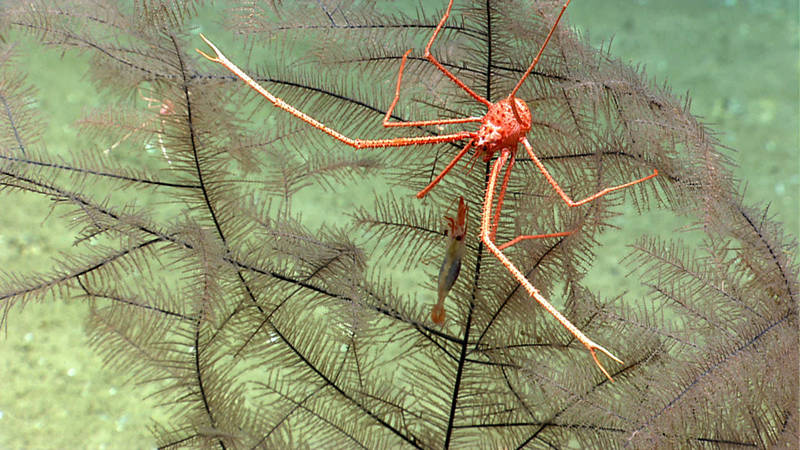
(501, 130)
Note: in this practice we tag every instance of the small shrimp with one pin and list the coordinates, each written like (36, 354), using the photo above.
(165, 108)
(451, 266)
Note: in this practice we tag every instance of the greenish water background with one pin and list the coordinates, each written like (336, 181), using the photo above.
(737, 59)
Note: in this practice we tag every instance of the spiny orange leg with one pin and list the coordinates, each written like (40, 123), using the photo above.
(486, 237)
(519, 239)
(439, 66)
(219, 58)
(536, 59)
(388, 116)
(539, 54)
(441, 175)
(502, 195)
(561, 192)
(527, 144)
(499, 206)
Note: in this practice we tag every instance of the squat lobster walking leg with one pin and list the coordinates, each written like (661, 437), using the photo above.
(487, 236)
(219, 58)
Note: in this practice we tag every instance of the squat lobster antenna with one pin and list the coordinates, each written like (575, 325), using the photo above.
(541, 50)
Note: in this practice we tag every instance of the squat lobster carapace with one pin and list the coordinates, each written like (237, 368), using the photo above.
(501, 130)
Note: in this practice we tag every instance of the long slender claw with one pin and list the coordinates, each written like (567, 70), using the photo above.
(592, 347)
(609, 354)
(214, 58)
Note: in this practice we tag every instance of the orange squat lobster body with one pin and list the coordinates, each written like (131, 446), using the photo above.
(502, 129)
(503, 126)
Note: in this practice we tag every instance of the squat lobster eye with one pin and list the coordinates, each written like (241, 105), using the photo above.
(503, 127)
